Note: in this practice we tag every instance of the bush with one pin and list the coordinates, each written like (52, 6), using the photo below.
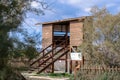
(101, 76)
(8, 73)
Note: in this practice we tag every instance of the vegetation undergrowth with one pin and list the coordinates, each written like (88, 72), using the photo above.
(57, 75)
(22, 69)
(9, 73)
(102, 76)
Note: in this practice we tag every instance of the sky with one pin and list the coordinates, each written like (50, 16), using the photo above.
(62, 9)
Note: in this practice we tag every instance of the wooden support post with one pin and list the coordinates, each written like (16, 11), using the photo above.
(70, 63)
(82, 60)
(52, 59)
(68, 69)
(70, 66)
(66, 63)
(75, 70)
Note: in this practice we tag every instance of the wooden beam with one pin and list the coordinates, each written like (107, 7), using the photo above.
(73, 49)
(66, 63)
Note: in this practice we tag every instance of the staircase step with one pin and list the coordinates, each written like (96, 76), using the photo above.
(52, 62)
(45, 62)
(42, 66)
(46, 56)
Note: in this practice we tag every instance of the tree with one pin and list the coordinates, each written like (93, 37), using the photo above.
(12, 13)
(102, 38)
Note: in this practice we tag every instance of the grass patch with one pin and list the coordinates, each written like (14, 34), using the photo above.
(55, 75)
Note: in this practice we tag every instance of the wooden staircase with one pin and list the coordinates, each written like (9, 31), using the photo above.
(44, 62)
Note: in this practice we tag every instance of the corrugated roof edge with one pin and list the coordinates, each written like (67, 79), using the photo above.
(57, 21)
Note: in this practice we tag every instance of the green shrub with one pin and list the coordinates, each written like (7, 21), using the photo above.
(8, 73)
(100, 76)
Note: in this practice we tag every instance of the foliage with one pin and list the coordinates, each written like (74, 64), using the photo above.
(12, 13)
(58, 75)
(55, 75)
(100, 76)
(102, 38)
(28, 39)
(9, 70)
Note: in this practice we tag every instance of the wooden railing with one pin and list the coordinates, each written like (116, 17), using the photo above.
(47, 59)
(42, 52)
(45, 54)
(99, 69)
(53, 55)
(55, 59)
(92, 71)
(61, 39)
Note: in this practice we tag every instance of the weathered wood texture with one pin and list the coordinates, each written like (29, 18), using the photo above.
(59, 28)
(92, 72)
(76, 33)
(75, 27)
(46, 35)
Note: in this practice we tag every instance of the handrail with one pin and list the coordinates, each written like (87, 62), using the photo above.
(47, 53)
(73, 49)
(62, 42)
(45, 48)
(42, 51)
(52, 56)
(53, 61)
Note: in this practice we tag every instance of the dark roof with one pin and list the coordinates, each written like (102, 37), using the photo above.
(64, 20)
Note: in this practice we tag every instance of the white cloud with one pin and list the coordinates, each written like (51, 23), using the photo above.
(110, 5)
(35, 4)
(87, 9)
(85, 5)
(79, 3)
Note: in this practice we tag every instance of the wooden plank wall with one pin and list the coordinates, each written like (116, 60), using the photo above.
(46, 35)
(76, 33)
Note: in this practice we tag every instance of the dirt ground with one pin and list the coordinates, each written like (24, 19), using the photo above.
(29, 76)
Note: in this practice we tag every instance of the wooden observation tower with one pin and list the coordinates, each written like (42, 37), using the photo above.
(57, 39)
